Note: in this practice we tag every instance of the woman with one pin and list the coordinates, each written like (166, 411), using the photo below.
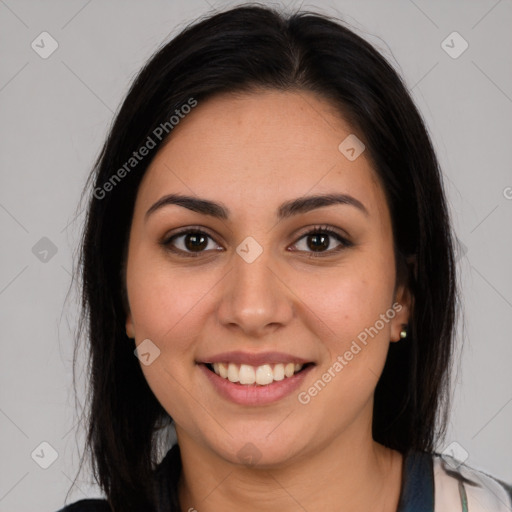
(268, 234)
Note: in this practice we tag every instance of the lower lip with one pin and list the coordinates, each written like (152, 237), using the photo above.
(253, 394)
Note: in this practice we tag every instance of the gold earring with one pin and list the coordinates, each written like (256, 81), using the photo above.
(403, 333)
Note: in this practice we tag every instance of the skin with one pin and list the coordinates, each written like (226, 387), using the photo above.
(252, 152)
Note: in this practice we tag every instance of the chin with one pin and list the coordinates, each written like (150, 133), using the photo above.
(258, 450)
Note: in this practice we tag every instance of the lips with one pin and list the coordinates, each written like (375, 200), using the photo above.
(254, 394)
(255, 378)
(254, 359)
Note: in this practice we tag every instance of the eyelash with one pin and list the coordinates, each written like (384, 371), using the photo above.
(325, 230)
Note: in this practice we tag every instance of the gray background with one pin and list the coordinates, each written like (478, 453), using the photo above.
(55, 113)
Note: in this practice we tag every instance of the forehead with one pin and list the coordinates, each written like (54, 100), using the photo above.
(259, 145)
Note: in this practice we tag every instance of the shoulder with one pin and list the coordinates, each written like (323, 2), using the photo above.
(462, 487)
(96, 505)
(167, 472)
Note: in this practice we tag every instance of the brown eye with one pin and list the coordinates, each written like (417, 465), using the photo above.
(319, 240)
(190, 243)
(195, 241)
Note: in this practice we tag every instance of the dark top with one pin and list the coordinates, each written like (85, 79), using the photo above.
(417, 494)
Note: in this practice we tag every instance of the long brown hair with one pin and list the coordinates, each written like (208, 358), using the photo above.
(237, 50)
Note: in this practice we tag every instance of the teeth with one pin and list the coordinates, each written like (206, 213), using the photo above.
(261, 375)
(233, 373)
(264, 375)
(279, 372)
(223, 370)
(246, 374)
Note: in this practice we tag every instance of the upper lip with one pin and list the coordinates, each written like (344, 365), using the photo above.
(254, 359)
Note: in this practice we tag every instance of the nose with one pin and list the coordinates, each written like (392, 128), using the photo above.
(255, 300)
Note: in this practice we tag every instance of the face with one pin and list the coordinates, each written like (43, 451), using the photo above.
(301, 297)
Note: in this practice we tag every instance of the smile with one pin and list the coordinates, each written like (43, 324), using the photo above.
(249, 385)
(262, 375)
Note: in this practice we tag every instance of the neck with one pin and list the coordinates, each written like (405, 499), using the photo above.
(340, 476)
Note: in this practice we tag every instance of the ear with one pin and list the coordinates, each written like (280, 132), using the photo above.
(130, 329)
(403, 308)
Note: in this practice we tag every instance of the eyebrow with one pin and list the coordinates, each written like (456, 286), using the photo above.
(287, 209)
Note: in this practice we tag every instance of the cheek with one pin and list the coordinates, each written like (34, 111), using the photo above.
(155, 308)
(348, 318)
(166, 307)
(349, 300)
(167, 304)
